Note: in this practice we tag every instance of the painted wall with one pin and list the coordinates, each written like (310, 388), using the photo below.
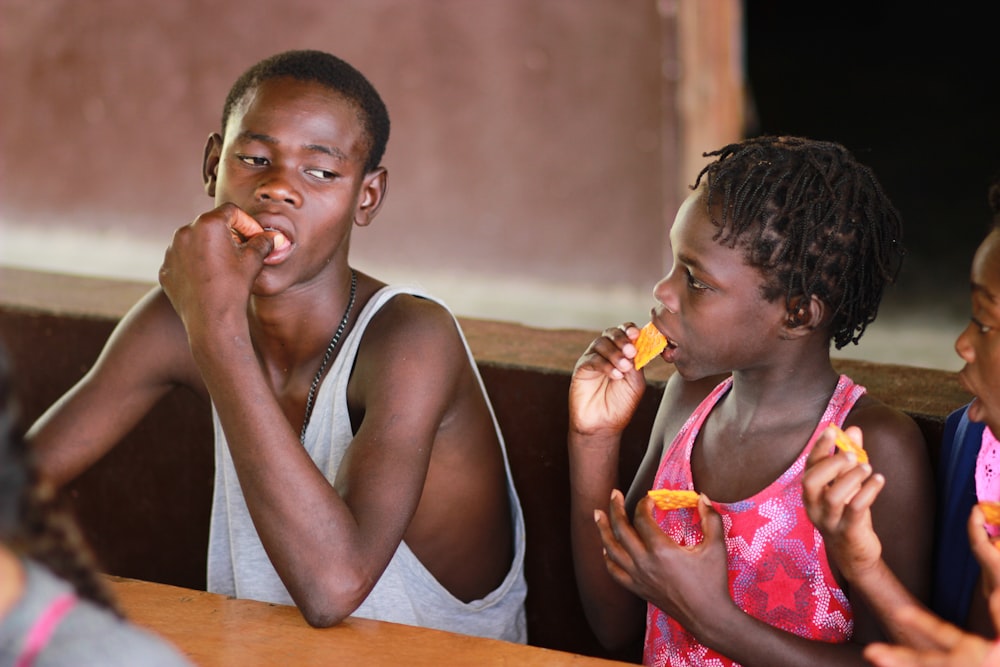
(534, 149)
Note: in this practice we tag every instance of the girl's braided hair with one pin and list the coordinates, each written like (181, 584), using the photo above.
(813, 220)
(32, 522)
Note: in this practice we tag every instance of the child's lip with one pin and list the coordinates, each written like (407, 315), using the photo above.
(671, 343)
(282, 247)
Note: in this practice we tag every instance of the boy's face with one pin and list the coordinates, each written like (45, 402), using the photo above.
(979, 343)
(293, 158)
(711, 301)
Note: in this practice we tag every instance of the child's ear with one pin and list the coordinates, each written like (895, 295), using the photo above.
(210, 162)
(804, 315)
(372, 194)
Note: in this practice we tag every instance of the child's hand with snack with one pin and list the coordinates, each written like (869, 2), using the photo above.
(838, 490)
(687, 582)
(211, 265)
(606, 388)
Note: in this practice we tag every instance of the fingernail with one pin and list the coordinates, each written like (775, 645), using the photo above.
(280, 241)
(597, 516)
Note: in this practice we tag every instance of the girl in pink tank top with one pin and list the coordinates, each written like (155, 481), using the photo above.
(778, 570)
(783, 247)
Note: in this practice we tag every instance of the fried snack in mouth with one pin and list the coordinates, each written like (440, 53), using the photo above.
(648, 345)
(672, 499)
(847, 445)
(991, 510)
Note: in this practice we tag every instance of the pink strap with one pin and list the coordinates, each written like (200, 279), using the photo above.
(43, 628)
(988, 473)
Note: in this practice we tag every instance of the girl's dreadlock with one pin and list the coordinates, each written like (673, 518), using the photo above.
(813, 220)
(32, 524)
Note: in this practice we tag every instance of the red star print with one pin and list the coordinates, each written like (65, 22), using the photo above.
(781, 589)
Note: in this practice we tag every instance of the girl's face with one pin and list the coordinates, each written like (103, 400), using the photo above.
(711, 305)
(979, 343)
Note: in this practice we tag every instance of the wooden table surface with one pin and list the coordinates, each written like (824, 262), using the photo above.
(218, 630)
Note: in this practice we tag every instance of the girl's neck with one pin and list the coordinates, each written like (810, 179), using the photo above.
(791, 385)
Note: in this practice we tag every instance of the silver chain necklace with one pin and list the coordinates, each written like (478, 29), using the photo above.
(327, 356)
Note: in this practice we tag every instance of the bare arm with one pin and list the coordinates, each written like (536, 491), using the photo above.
(331, 543)
(941, 643)
(146, 355)
(903, 514)
(839, 494)
(949, 646)
(604, 393)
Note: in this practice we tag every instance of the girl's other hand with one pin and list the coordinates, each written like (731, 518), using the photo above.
(838, 493)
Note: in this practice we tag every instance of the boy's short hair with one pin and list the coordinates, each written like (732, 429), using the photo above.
(327, 70)
(813, 220)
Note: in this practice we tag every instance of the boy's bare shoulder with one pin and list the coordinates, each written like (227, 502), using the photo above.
(412, 353)
(412, 337)
(407, 321)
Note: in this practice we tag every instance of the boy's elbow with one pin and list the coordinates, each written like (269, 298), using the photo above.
(322, 618)
(328, 605)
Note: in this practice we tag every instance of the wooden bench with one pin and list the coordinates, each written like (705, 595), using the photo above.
(145, 507)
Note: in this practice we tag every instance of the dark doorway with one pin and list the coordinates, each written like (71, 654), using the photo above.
(913, 91)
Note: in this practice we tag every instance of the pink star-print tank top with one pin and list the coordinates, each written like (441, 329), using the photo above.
(778, 570)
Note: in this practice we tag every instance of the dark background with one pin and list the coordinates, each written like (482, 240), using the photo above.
(912, 90)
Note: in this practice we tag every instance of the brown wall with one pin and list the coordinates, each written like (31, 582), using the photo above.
(532, 139)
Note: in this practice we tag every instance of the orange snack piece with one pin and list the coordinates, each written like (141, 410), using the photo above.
(672, 499)
(846, 444)
(991, 510)
(649, 344)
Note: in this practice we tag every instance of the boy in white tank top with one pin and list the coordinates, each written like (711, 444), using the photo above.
(256, 303)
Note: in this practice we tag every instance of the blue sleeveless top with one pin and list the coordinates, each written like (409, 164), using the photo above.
(956, 570)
